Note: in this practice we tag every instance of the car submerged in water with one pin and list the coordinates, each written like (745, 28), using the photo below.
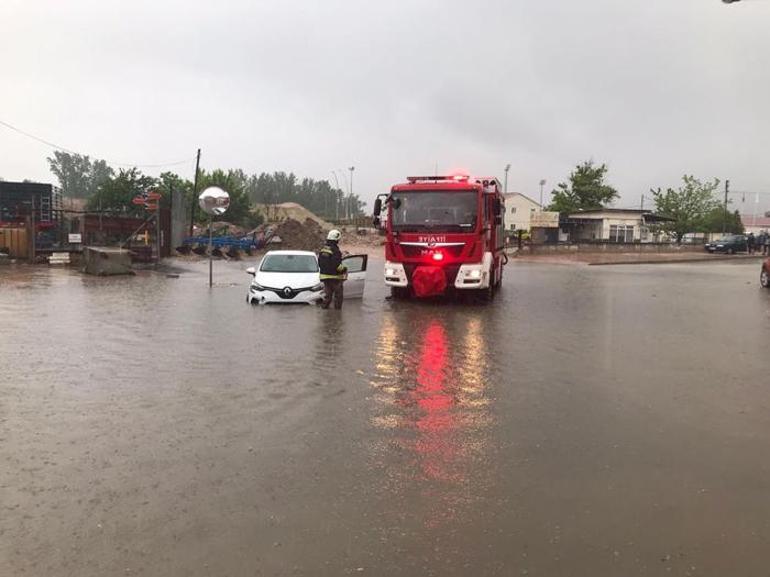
(729, 244)
(293, 277)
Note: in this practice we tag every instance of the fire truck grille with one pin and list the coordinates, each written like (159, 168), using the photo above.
(416, 251)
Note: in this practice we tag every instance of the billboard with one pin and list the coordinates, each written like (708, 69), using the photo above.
(544, 219)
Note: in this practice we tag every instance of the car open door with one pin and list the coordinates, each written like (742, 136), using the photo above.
(354, 285)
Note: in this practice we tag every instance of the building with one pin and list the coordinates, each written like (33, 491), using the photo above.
(22, 200)
(755, 224)
(611, 225)
(519, 209)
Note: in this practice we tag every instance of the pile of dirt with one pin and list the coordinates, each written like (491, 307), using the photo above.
(295, 235)
(289, 211)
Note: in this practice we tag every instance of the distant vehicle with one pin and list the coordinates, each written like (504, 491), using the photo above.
(292, 277)
(729, 244)
(444, 234)
(764, 276)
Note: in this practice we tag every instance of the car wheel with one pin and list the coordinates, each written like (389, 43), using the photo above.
(764, 279)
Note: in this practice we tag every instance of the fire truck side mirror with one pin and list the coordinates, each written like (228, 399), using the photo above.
(377, 210)
(498, 207)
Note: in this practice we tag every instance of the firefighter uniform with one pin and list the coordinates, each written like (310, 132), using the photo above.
(332, 271)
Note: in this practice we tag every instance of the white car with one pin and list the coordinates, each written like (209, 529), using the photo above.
(292, 276)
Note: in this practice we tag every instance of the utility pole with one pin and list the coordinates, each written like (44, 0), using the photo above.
(724, 220)
(505, 186)
(157, 221)
(195, 191)
(642, 205)
(542, 184)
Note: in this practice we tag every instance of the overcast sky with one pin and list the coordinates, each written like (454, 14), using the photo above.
(654, 88)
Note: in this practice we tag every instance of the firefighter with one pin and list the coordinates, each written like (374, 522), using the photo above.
(332, 270)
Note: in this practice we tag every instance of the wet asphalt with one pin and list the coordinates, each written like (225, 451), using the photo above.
(602, 421)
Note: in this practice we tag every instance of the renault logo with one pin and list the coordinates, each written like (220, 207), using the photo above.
(287, 291)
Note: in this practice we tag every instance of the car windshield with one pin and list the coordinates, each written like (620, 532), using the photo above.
(289, 263)
(435, 210)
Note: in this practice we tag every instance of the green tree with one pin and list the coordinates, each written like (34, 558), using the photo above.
(169, 181)
(687, 206)
(586, 190)
(116, 194)
(235, 183)
(78, 176)
(716, 220)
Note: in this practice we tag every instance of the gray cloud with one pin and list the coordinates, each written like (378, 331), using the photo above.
(655, 88)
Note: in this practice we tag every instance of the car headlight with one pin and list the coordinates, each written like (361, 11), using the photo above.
(257, 287)
(318, 287)
(720, 246)
(475, 273)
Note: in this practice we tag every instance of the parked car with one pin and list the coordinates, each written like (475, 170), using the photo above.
(764, 276)
(729, 244)
(292, 276)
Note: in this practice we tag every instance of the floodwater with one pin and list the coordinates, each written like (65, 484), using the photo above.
(592, 421)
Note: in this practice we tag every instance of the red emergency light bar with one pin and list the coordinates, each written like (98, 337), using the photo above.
(414, 179)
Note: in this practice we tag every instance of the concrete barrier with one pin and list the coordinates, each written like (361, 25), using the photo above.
(106, 261)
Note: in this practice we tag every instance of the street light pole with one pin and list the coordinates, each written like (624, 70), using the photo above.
(505, 186)
(351, 169)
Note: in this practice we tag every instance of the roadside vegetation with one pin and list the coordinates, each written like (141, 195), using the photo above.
(693, 207)
(107, 189)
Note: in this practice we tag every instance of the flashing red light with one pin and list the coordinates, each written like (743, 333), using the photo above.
(438, 256)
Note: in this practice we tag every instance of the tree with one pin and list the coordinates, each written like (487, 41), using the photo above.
(116, 194)
(585, 191)
(169, 181)
(234, 182)
(715, 221)
(687, 206)
(78, 176)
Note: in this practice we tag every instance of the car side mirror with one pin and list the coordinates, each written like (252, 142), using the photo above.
(252, 271)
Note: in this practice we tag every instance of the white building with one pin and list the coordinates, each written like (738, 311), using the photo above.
(755, 224)
(612, 225)
(518, 212)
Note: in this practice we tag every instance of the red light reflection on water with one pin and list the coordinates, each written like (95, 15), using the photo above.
(436, 422)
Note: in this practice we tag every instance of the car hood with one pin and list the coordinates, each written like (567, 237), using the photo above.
(279, 280)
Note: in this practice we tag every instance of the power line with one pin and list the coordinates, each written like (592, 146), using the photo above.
(64, 149)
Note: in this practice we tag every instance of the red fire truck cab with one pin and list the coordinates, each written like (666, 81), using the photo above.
(443, 234)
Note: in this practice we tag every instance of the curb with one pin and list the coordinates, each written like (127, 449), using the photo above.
(684, 260)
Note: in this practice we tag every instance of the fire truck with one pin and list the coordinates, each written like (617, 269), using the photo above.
(444, 234)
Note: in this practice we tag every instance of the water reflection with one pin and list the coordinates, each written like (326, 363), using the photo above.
(432, 408)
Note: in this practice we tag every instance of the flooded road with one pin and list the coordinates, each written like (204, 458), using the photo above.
(591, 421)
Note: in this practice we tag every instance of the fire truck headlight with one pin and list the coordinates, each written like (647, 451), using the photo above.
(475, 273)
(438, 256)
(390, 272)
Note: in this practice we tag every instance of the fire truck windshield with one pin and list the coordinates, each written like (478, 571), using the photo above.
(436, 210)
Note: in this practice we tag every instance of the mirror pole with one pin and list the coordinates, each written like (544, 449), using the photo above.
(211, 255)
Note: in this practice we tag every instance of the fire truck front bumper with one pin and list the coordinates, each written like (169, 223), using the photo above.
(395, 275)
(474, 276)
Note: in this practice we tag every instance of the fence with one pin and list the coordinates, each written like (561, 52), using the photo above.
(14, 242)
